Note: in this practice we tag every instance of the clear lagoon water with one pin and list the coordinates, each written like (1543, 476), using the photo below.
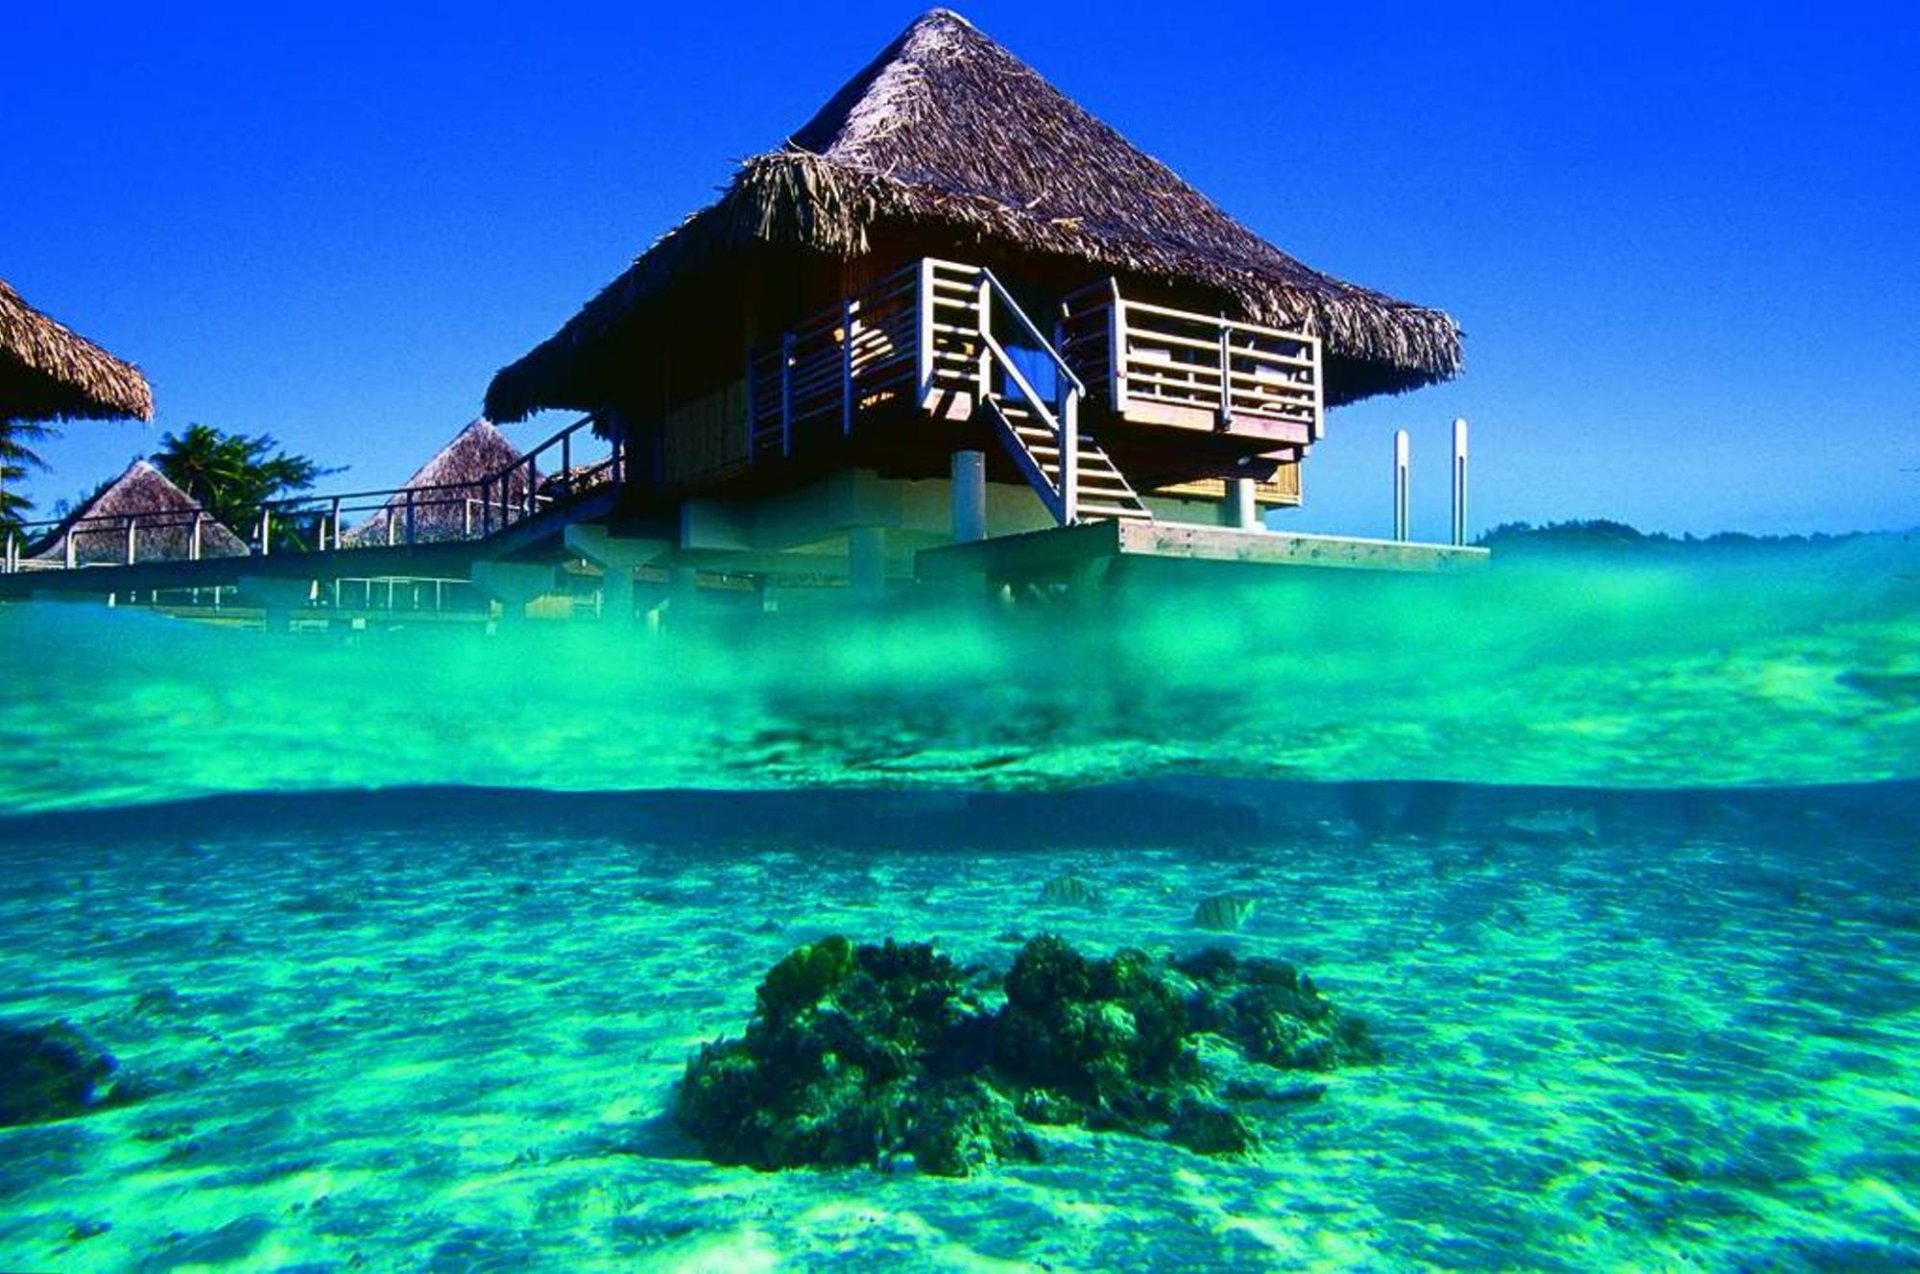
(409, 935)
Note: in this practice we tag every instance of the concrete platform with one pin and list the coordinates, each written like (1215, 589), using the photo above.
(1067, 552)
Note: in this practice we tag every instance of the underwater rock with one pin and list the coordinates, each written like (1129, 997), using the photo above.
(1560, 824)
(1070, 891)
(48, 1073)
(857, 1055)
(1274, 1013)
(1223, 913)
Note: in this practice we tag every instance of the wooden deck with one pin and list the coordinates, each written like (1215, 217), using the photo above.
(1068, 552)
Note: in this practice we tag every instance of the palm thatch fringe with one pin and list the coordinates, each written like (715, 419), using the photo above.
(162, 516)
(947, 132)
(449, 489)
(50, 372)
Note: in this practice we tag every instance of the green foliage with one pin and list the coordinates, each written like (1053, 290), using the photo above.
(17, 459)
(232, 475)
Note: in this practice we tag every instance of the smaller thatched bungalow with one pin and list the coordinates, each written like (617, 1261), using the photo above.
(445, 498)
(138, 517)
(49, 372)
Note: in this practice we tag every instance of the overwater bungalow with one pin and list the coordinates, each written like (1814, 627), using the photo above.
(140, 516)
(446, 498)
(955, 306)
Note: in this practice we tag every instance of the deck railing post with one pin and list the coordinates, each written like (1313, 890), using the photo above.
(133, 524)
(786, 392)
(410, 520)
(193, 546)
(6, 562)
(923, 340)
(846, 366)
(619, 461)
(1459, 481)
(1401, 507)
(1117, 348)
(486, 506)
(392, 526)
(566, 463)
(69, 548)
(1070, 457)
(983, 301)
(333, 516)
(266, 530)
(1225, 417)
(528, 507)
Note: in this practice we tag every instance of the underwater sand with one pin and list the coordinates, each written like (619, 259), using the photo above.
(1680, 1047)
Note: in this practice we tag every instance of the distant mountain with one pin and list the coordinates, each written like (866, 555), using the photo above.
(1600, 534)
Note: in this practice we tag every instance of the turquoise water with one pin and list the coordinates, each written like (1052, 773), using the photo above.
(408, 936)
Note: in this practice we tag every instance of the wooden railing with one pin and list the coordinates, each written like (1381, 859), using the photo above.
(561, 470)
(1155, 364)
(818, 376)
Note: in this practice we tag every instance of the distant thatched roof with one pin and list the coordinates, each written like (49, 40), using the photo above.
(947, 130)
(445, 486)
(49, 372)
(163, 518)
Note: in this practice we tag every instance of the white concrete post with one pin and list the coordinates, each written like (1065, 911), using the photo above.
(1460, 480)
(1401, 507)
(969, 496)
(1242, 507)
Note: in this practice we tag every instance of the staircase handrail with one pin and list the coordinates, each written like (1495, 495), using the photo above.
(1063, 420)
(1043, 343)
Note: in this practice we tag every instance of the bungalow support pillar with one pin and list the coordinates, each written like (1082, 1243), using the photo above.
(512, 584)
(969, 496)
(1243, 511)
(617, 559)
(277, 596)
(867, 561)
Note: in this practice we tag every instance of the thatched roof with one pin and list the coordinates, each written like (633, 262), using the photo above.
(163, 515)
(444, 485)
(50, 372)
(948, 131)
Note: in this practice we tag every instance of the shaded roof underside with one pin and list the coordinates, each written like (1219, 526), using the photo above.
(50, 372)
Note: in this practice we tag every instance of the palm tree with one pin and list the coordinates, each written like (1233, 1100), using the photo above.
(232, 475)
(17, 458)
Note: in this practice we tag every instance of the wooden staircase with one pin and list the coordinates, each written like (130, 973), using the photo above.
(1099, 489)
(1073, 476)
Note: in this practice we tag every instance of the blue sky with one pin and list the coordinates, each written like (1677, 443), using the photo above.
(1684, 244)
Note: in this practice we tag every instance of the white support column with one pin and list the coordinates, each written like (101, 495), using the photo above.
(1401, 474)
(278, 596)
(969, 496)
(1243, 510)
(512, 584)
(617, 559)
(867, 561)
(1459, 480)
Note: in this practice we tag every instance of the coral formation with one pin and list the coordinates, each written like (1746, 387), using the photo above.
(862, 1054)
(48, 1073)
